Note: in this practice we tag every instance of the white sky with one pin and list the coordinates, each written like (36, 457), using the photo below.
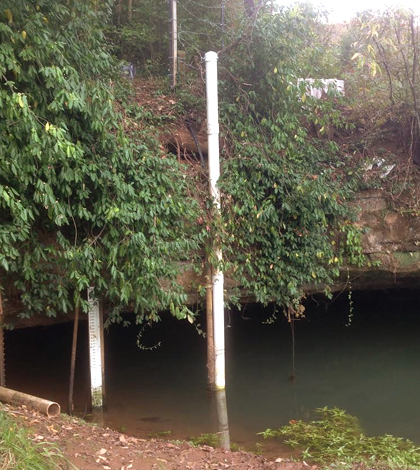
(343, 10)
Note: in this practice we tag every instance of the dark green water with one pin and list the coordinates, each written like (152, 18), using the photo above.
(370, 368)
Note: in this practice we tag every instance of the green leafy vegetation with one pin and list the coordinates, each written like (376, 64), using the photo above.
(89, 197)
(285, 218)
(336, 438)
(211, 439)
(139, 36)
(386, 50)
(80, 204)
(19, 452)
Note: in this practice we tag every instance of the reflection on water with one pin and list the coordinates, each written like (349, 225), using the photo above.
(371, 369)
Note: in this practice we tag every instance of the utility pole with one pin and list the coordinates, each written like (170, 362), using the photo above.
(173, 55)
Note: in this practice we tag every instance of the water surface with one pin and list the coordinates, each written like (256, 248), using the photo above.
(370, 368)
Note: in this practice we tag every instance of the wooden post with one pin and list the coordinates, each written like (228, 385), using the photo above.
(73, 359)
(2, 369)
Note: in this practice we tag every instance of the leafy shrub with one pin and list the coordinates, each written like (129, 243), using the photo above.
(336, 438)
(80, 204)
(285, 221)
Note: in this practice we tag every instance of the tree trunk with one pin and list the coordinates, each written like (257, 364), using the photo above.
(2, 369)
(118, 10)
(73, 359)
(129, 11)
(249, 7)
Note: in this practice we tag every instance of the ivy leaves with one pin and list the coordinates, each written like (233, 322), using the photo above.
(80, 204)
(283, 200)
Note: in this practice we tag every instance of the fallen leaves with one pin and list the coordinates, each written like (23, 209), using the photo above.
(95, 448)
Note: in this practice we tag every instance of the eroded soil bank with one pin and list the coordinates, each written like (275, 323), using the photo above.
(91, 447)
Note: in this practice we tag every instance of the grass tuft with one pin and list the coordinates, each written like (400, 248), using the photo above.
(19, 452)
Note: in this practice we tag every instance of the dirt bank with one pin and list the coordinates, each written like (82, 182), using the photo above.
(91, 447)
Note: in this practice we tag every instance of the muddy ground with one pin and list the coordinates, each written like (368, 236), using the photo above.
(90, 447)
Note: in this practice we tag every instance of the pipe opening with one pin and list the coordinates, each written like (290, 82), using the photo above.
(53, 410)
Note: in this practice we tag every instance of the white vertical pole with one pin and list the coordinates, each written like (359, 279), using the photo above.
(219, 385)
(174, 42)
(95, 351)
(214, 173)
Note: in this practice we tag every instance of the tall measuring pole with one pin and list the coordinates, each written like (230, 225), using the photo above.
(95, 351)
(217, 280)
(214, 173)
(173, 56)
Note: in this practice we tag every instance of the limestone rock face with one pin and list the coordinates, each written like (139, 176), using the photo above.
(392, 240)
(387, 230)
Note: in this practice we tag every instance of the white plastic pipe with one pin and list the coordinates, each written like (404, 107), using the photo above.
(214, 173)
(95, 350)
(174, 42)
